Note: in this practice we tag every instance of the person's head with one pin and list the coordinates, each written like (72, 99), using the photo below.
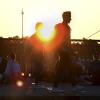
(11, 56)
(66, 17)
(38, 26)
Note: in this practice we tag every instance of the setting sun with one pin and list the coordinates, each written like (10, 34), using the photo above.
(44, 34)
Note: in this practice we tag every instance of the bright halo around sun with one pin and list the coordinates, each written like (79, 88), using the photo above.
(45, 34)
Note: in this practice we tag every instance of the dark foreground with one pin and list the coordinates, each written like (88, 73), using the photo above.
(45, 91)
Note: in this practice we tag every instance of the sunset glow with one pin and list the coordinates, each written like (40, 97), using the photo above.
(46, 37)
(44, 34)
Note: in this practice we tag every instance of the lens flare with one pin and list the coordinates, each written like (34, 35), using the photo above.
(22, 74)
(19, 83)
(29, 74)
(45, 34)
(42, 39)
(46, 37)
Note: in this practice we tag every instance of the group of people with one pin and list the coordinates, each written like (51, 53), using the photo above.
(65, 69)
(58, 43)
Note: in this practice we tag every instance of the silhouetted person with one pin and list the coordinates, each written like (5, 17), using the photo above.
(94, 70)
(12, 71)
(63, 69)
(37, 53)
(62, 43)
(3, 65)
(62, 31)
(1, 76)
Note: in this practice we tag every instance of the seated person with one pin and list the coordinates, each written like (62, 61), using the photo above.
(12, 71)
(94, 70)
(3, 65)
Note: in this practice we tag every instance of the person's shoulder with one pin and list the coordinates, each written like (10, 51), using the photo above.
(32, 36)
(31, 39)
(59, 24)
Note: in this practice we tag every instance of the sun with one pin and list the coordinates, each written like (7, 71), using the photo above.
(45, 34)
(47, 37)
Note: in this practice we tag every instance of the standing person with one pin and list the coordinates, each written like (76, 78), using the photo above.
(63, 30)
(35, 39)
(12, 71)
(37, 53)
(62, 44)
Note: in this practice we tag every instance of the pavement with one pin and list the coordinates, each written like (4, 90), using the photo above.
(46, 89)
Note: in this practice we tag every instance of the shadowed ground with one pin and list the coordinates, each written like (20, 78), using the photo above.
(46, 90)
